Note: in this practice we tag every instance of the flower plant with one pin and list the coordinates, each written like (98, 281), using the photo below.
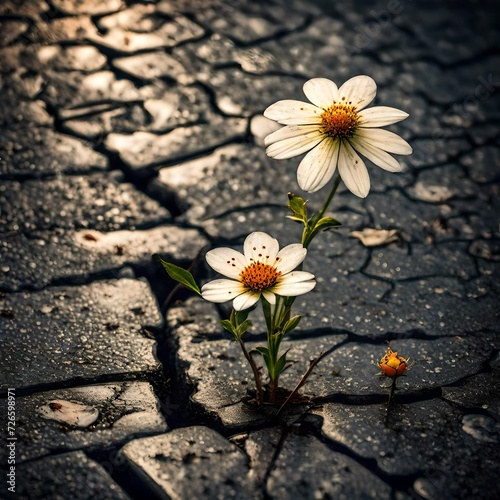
(333, 128)
(392, 365)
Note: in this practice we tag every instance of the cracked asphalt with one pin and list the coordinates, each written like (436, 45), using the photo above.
(129, 129)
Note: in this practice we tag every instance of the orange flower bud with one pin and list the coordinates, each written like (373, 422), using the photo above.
(393, 365)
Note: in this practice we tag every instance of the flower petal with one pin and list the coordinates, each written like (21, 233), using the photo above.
(221, 290)
(294, 146)
(376, 155)
(297, 283)
(288, 132)
(380, 116)
(318, 166)
(260, 247)
(321, 91)
(353, 171)
(290, 112)
(226, 261)
(295, 277)
(290, 257)
(383, 139)
(360, 91)
(269, 296)
(246, 300)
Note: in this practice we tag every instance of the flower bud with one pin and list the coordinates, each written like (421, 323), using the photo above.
(393, 365)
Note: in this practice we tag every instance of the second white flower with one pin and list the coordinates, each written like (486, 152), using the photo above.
(262, 270)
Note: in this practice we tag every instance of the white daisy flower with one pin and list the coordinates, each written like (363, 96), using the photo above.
(334, 129)
(262, 269)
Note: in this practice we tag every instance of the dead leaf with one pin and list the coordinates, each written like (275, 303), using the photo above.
(431, 193)
(68, 413)
(370, 237)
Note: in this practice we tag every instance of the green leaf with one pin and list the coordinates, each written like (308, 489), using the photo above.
(280, 364)
(180, 275)
(291, 324)
(239, 323)
(262, 350)
(311, 223)
(226, 324)
(243, 327)
(232, 317)
(241, 316)
(296, 219)
(298, 207)
(326, 223)
(267, 359)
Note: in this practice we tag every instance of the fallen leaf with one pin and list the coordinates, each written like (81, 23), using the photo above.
(370, 237)
(68, 413)
(431, 193)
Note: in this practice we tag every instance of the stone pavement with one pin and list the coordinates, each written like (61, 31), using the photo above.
(135, 128)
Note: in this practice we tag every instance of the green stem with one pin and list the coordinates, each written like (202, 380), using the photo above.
(330, 197)
(275, 317)
(307, 234)
(274, 390)
(278, 313)
(274, 346)
(266, 309)
(393, 388)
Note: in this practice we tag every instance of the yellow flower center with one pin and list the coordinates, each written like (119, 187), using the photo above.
(393, 362)
(259, 276)
(340, 121)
